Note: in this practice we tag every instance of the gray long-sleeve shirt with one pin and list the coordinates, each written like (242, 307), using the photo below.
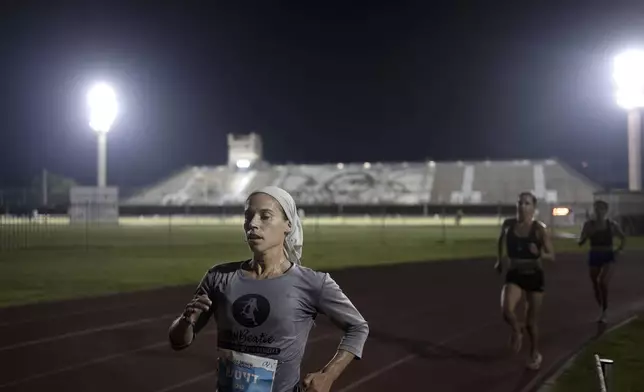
(272, 318)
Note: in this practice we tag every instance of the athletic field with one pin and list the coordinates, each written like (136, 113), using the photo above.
(51, 260)
(434, 323)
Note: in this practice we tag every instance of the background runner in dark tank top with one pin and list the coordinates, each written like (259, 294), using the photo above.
(600, 232)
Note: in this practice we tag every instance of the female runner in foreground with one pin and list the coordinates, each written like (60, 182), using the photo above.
(264, 307)
(600, 231)
(527, 243)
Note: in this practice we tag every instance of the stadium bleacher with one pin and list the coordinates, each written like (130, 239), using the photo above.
(468, 183)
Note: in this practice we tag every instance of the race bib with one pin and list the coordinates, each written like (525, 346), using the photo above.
(239, 372)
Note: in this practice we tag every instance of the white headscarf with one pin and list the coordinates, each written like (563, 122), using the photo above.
(294, 240)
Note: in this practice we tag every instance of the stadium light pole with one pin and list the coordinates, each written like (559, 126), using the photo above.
(628, 74)
(103, 109)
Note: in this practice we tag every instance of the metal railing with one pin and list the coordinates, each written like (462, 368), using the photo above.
(604, 369)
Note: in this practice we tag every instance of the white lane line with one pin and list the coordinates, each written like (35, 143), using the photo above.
(90, 362)
(213, 373)
(408, 358)
(88, 331)
(68, 314)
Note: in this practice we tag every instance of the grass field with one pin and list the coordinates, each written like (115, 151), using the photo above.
(62, 261)
(237, 220)
(625, 346)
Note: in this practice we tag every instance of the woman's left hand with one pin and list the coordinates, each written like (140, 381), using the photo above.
(534, 249)
(317, 382)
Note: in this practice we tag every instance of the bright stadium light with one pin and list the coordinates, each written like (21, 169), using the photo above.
(103, 108)
(628, 75)
(243, 163)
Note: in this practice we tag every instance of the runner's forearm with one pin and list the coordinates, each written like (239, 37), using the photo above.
(548, 256)
(548, 252)
(181, 334)
(499, 248)
(622, 242)
(338, 364)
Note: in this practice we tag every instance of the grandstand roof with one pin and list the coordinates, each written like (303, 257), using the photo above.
(368, 183)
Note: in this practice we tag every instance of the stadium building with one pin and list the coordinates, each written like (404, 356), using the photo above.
(407, 188)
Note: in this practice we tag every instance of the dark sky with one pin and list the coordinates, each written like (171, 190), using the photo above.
(320, 81)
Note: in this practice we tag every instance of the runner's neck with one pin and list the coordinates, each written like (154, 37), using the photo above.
(269, 265)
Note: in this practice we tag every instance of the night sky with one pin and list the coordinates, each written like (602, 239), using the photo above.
(320, 81)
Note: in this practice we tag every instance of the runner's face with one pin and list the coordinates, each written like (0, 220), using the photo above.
(525, 207)
(265, 223)
(600, 211)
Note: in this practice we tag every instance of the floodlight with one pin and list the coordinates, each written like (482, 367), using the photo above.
(103, 107)
(628, 75)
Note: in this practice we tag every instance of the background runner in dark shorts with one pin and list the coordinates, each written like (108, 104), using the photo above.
(600, 231)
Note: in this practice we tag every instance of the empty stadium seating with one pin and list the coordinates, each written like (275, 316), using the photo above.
(448, 178)
(499, 182)
(488, 182)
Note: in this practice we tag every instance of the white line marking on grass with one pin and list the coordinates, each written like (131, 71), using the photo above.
(541, 385)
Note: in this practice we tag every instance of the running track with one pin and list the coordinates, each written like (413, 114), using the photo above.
(434, 326)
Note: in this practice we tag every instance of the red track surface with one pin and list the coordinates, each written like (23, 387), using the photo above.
(434, 326)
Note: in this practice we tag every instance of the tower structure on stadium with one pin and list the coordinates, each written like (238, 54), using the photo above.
(244, 151)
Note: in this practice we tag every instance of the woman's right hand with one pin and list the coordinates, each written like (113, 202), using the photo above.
(498, 267)
(198, 305)
(181, 331)
(502, 263)
(534, 249)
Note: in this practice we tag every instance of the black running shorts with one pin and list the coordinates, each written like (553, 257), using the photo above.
(531, 280)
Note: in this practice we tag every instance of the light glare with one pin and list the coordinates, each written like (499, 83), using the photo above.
(628, 75)
(560, 211)
(103, 107)
(243, 163)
